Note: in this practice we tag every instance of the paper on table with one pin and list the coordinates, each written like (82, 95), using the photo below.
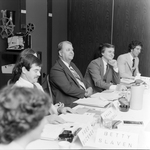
(127, 81)
(96, 102)
(78, 118)
(107, 96)
(51, 132)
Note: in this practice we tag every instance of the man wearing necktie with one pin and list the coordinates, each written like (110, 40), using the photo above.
(66, 80)
(102, 73)
(128, 63)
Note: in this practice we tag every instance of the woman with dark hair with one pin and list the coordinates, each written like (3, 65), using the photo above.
(23, 112)
(102, 73)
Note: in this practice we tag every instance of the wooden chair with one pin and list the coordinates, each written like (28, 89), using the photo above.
(49, 87)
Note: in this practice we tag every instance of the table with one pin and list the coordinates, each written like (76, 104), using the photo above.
(135, 115)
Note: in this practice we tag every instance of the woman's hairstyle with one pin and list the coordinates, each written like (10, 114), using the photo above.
(24, 61)
(22, 54)
(22, 110)
(101, 49)
(133, 45)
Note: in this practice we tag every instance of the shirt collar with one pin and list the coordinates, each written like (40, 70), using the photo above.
(105, 63)
(131, 57)
(24, 82)
(65, 63)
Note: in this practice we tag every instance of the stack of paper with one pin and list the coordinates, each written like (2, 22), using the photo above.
(107, 96)
(127, 81)
(80, 119)
(96, 102)
(52, 131)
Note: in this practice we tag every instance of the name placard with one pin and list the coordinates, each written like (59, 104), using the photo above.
(110, 113)
(86, 134)
(115, 139)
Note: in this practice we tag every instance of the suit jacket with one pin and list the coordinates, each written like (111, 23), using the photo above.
(125, 65)
(65, 87)
(95, 76)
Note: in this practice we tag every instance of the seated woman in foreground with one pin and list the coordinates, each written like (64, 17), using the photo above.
(23, 112)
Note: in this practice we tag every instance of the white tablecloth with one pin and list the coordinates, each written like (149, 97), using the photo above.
(134, 115)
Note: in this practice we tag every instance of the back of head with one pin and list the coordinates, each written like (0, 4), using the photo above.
(27, 51)
(22, 110)
(133, 44)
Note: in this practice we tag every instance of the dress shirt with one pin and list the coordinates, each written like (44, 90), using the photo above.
(24, 83)
(105, 65)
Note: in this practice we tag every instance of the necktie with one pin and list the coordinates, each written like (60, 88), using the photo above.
(133, 67)
(133, 63)
(82, 86)
(107, 68)
(34, 86)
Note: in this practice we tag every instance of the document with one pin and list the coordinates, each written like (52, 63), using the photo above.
(111, 96)
(80, 119)
(51, 132)
(96, 102)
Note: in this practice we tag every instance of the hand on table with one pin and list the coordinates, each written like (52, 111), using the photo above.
(64, 110)
(121, 87)
(55, 119)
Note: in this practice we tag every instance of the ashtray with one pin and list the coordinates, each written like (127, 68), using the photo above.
(124, 104)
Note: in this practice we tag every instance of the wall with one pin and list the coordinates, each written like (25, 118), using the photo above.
(96, 21)
(89, 25)
(59, 25)
(37, 14)
(132, 21)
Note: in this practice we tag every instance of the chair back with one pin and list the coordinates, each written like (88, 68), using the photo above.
(49, 87)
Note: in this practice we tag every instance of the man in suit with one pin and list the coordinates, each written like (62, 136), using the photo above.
(128, 63)
(102, 73)
(66, 80)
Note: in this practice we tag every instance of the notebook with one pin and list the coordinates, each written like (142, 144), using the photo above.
(96, 102)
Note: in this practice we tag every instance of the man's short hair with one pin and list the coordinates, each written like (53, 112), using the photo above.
(60, 45)
(22, 110)
(26, 61)
(133, 44)
(103, 46)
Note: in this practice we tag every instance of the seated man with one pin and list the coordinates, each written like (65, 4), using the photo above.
(102, 73)
(128, 63)
(23, 112)
(66, 80)
(28, 68)
(15, 74)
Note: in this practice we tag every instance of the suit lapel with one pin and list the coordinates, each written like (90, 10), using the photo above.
(68, 72)
(129, 61)
(101, 67)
